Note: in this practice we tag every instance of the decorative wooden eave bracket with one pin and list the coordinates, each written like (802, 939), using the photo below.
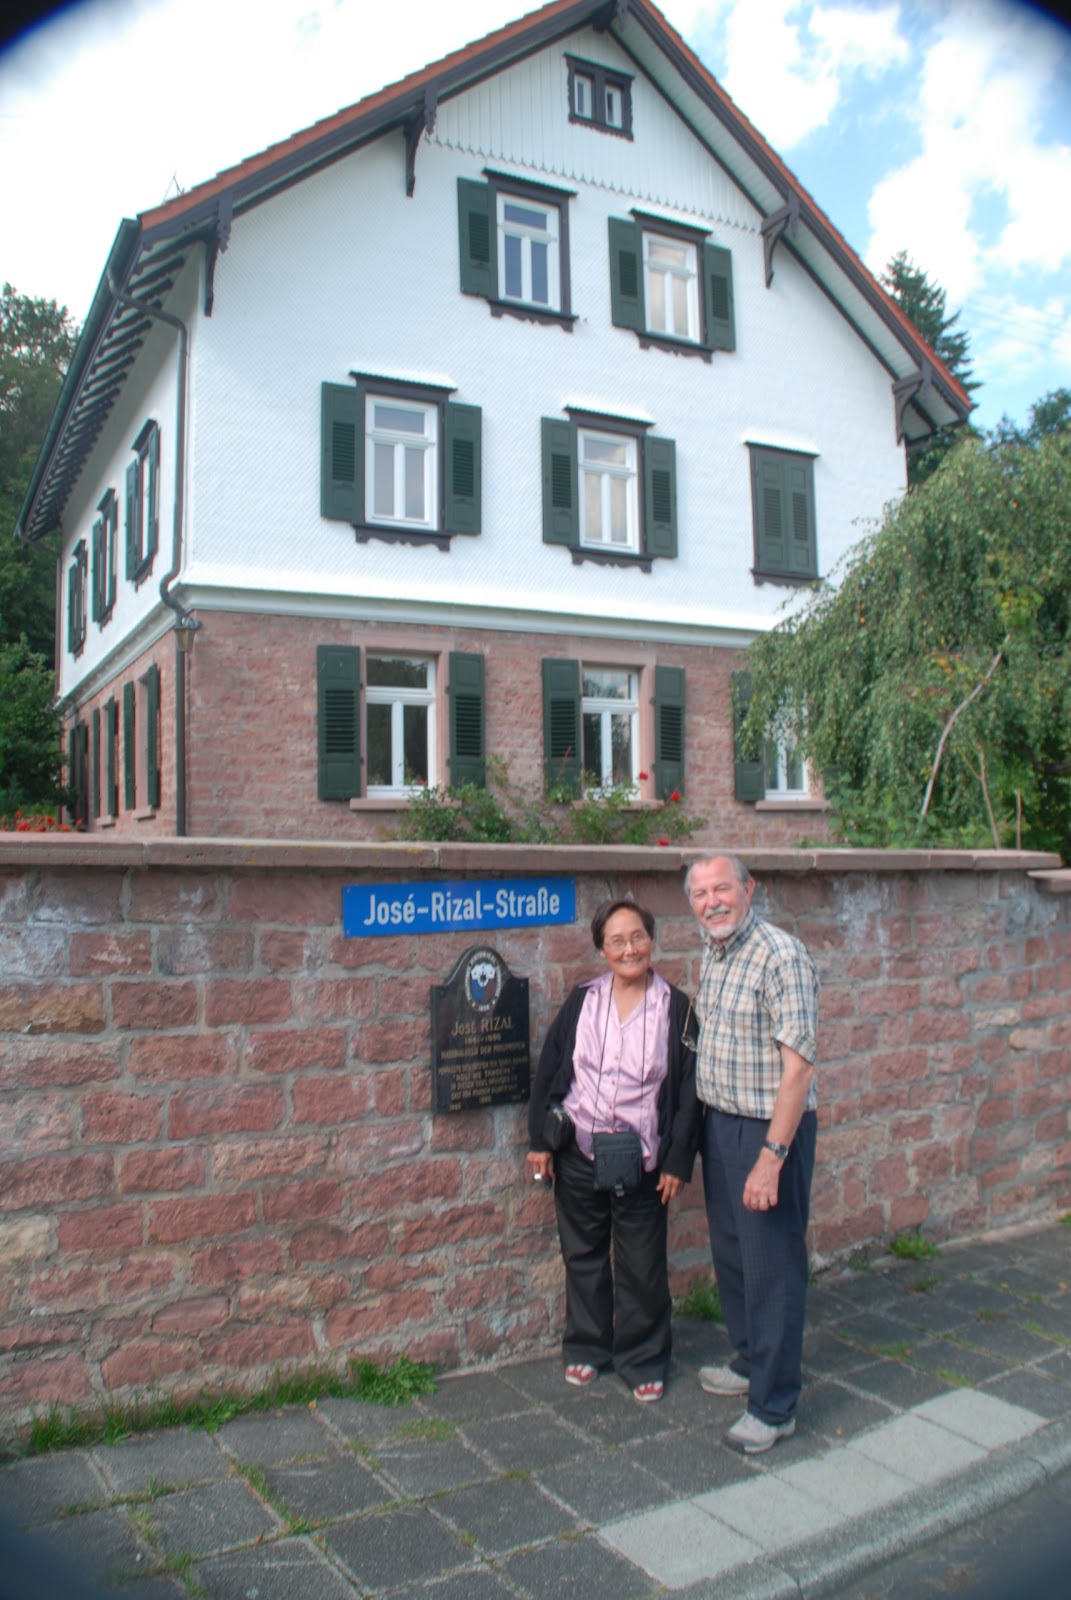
(774, 226)
(916, 384)
(218, 240)
(614, 11)
(423, 122)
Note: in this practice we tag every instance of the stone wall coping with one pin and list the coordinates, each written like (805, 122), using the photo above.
(29, 850)
(1056, 881)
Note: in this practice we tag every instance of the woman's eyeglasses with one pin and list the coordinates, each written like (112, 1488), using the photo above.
(617, 947)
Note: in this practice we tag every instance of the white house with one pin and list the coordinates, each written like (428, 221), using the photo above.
(491, 416)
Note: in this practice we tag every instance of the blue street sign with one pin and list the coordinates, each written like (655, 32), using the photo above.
(370, 910)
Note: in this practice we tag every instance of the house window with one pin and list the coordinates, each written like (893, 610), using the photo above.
(514, 247)
(403, 694)
(786, 771)
(401, 476)
(609, 489)
(142, 504)
(105, 541)
(77, 579)
(783, 510)
(670, 279)
(610, 722)
(399, 462)
(600, 97)
(400, 723)
(671, 286)
(528, 252)
(609, 515)
(617, 741)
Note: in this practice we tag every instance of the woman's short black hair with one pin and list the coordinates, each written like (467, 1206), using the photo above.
(604, 913)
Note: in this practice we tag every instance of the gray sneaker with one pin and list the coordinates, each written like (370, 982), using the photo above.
(722, 1380)
(753, 1436)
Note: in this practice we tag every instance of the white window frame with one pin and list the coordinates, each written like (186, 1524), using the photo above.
(778, 754)
(606, 707)
(665, 274)
(530, 237)
(146, 500)
(584, 91)
(608, 473)
(400, 441)
(398, 697)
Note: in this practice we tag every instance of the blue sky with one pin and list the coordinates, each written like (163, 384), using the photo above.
(942, 127)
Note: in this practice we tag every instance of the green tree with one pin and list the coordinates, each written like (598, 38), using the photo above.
(37, 339)
(1051, 414)
(926, 305)
(932, 680)
(30, 760)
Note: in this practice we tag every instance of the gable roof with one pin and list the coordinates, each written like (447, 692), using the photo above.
(149, 253)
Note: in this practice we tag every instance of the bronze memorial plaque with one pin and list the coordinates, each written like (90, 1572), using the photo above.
(479, 1032)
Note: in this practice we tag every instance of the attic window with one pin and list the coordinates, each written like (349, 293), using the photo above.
(600, 97)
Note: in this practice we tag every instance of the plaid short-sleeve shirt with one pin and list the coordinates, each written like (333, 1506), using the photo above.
(759, 989)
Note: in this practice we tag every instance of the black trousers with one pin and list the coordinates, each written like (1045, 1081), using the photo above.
(615, 1314)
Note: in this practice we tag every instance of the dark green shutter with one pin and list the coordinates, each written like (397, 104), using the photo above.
(478, 236)
(72, 772)
(771, 554)
(626, 274)
(338, 695)
(799, 476)
(98, 579)
(462, 427)
(561, 724)
(784, 514)
(94, 762)
(111, 728)
(341, 453)
(129, 783)
(152, 737)
(151, 536)
(669, 731)
(561, 511)
(131, 519)
(718, 297)
(749, 779)
(72, 609)
(467, 763)
(660, 496)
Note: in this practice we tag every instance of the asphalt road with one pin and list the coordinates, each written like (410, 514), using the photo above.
(1021, 1552)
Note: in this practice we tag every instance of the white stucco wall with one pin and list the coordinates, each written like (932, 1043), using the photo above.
(343, 272)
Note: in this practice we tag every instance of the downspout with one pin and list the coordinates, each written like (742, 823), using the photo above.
(185, 624)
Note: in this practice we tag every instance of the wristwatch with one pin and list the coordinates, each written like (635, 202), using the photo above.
(778, 1150)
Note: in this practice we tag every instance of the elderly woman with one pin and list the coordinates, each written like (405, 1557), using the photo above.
(614, 1123)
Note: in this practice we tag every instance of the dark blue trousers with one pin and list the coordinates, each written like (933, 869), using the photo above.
(615, 1313)
(760, 1257)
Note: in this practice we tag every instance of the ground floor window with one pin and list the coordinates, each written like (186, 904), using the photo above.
(400, 723)
(610, 711)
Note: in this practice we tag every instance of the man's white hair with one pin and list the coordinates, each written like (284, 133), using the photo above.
(739, 869)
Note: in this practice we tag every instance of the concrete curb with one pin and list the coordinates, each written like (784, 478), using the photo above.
(833, 1559)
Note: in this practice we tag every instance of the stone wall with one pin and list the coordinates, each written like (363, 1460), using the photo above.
(217, 1153)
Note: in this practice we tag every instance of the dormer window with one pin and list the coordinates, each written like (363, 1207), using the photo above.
(600, 97)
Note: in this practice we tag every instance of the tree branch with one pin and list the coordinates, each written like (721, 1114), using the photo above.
(975, 692)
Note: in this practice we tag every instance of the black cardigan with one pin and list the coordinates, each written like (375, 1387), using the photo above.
(679, 1109)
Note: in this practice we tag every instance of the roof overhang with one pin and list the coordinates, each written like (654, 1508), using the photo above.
(149, 253)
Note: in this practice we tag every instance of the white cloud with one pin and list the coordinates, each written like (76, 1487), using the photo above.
(983, 88)
(1011, 337)
(788, 75)
(103, 108)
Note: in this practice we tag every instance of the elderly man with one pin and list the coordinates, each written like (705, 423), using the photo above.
(757, 1007)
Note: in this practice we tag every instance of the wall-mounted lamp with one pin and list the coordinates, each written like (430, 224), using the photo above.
(185, 628)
